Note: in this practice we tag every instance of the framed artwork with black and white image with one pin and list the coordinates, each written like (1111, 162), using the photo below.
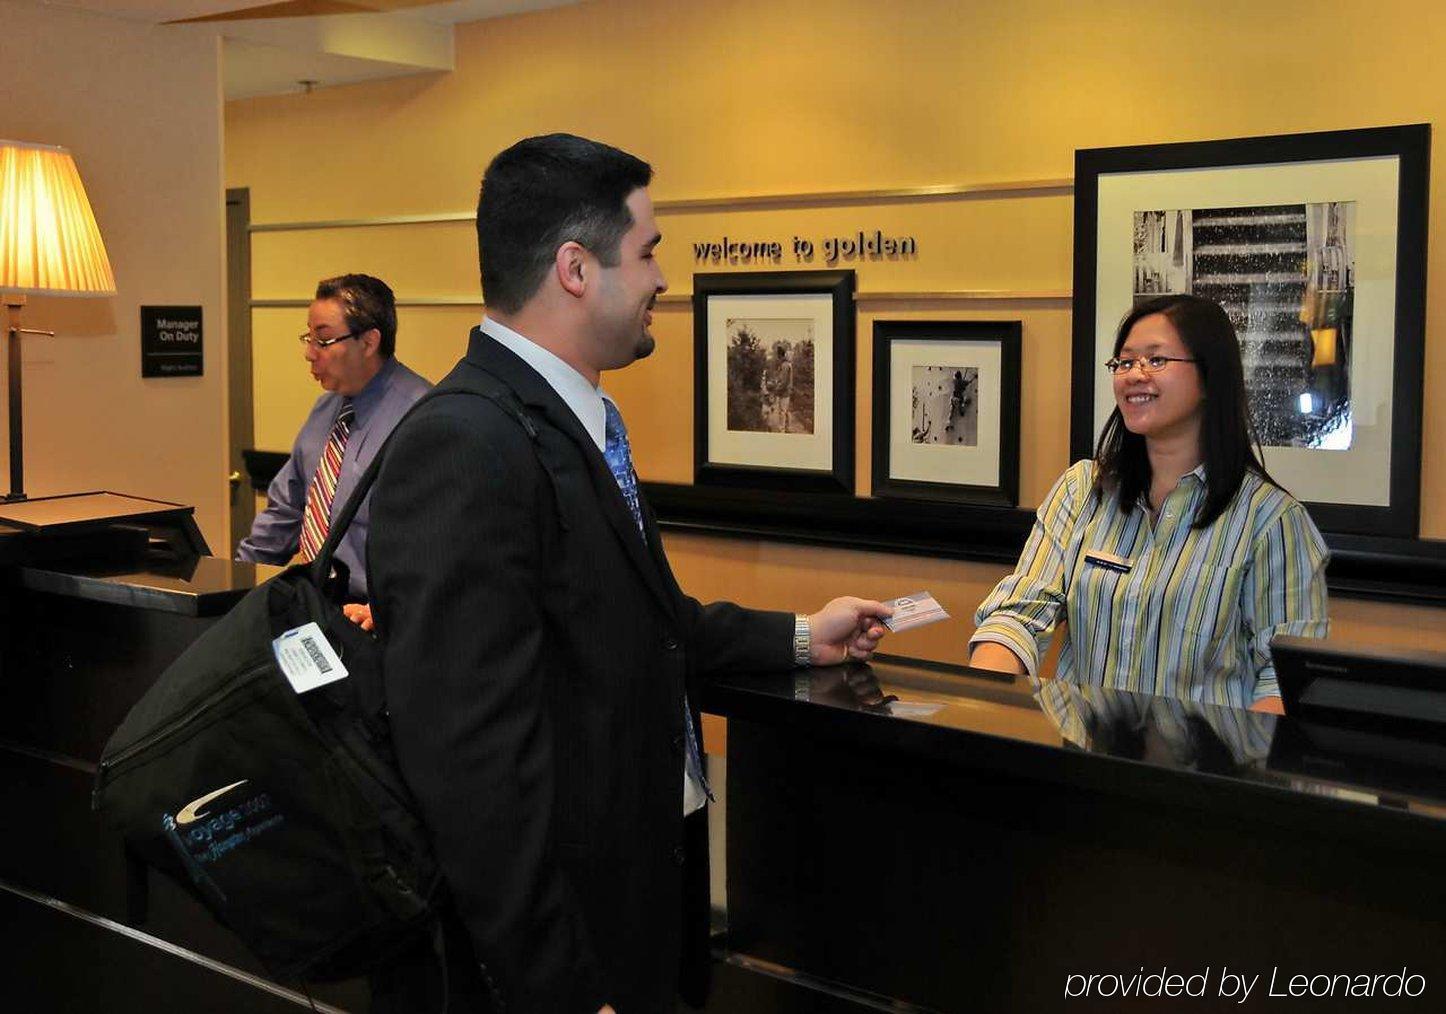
(774, 380)
(1315, 245)
(946, 411)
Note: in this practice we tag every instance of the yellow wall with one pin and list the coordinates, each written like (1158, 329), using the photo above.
(139, 107)
(740, 98)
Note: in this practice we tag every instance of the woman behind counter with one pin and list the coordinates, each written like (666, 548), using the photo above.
(1172, 554)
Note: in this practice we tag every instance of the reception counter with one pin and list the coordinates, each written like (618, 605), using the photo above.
(82, 640)
(899, 836)
(907, 839)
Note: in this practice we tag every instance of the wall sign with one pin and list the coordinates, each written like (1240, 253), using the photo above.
(859, 245)
(171, 341)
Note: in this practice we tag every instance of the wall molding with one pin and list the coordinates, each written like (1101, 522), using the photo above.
(969, 296)
(896, 195)
(680, 299)
(305, 301)
(1060, 186)
(364, 223)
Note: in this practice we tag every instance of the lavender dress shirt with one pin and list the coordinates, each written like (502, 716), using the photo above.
(276, 533)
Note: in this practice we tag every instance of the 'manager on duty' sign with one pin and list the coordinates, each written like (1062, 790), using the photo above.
(171, 341)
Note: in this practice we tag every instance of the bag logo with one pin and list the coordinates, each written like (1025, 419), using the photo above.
(191, 812)
(203, 836)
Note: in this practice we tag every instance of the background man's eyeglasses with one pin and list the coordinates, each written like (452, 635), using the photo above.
(1150, 364)
(307, 338)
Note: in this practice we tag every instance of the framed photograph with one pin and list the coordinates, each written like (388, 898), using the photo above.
(1315, 244)
(946, 410)
(773, 394)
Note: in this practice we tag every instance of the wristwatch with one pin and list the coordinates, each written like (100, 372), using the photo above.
(802, 640)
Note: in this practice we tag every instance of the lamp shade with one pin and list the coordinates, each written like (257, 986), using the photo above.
(49, 242)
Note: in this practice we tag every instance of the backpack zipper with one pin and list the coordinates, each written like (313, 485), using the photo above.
(107, 764)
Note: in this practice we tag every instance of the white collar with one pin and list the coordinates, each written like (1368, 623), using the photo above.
(585, 401)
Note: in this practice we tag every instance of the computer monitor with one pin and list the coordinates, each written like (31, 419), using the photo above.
(1359, 684)
(1361, 757)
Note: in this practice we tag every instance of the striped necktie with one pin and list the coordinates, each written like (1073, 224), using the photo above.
(316, 521)
(620, 462)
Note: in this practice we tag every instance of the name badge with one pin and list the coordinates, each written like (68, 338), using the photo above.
(1109, 561)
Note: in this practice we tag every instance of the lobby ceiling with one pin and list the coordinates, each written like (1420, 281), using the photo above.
(273, 48)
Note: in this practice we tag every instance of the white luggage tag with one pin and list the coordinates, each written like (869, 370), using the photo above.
(307, 658)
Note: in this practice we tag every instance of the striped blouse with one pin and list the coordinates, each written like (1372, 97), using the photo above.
(1157, 606)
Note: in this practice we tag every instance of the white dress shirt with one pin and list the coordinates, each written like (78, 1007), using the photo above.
(586, 402)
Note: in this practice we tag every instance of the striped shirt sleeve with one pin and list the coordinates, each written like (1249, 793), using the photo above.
(1023, 610)
(1284, 591)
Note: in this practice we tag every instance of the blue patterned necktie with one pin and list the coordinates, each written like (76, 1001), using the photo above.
(620, 462)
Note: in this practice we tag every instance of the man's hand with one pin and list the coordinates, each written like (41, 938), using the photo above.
(359, 613)
(846, 628)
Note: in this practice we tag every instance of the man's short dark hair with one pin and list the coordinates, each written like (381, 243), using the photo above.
(541, 193)
(366, 303)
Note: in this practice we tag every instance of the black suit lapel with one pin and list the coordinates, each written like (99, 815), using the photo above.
(533, 391)
(655, 545)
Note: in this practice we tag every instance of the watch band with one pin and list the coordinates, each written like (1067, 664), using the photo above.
(802, 640)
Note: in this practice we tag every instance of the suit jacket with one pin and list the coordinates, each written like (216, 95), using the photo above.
(537, 651)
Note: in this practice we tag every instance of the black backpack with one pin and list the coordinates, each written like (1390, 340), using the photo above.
(284, 813)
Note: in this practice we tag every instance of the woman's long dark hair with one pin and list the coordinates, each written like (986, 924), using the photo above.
(1228, 443)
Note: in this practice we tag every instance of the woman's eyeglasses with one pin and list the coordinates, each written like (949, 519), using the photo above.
(1150, 364)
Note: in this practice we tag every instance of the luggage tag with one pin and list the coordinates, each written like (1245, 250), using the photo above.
(1109, 561)
(307, 658)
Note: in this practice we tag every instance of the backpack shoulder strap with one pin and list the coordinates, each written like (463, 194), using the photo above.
(497, 393)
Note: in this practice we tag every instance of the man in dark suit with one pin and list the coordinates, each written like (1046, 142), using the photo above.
(543, 665)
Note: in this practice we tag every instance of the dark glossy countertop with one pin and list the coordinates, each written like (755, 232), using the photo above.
(199, 586)
(120, 549)
(1259, 767)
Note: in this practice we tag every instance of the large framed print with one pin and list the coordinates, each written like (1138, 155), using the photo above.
(946, 411)
(1315, 244)
(774, 380)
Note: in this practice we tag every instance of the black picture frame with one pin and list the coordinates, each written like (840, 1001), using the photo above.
(1409, 145)
(712, 468)
(1004, 377)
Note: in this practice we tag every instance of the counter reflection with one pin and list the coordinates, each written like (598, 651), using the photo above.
(1361, 763)
(1158, 730)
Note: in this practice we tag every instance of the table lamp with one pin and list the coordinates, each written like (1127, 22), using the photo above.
(49, 246)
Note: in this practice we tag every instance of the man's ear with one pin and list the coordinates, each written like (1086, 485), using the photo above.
(371, 340)
(570, 264)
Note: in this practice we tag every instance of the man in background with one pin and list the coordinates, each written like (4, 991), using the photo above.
(349, 345)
